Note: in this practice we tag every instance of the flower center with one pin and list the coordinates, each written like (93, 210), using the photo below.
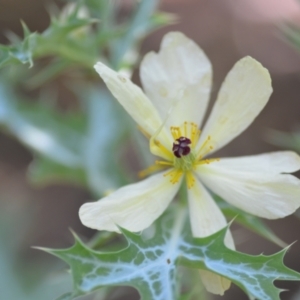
(181, 147)
(183, 159)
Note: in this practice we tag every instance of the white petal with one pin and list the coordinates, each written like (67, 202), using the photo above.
(264, 193)
(270, 163)
(181, 72)
(206, 219)
(134, 207)
(214, 283)
(134, 101)
(243, 94)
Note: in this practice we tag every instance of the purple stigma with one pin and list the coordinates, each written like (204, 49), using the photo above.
(181, 147)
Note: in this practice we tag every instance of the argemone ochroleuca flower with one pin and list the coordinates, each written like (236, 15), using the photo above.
(177, 84)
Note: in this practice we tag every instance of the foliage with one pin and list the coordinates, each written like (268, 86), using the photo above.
(151, 265)
(73, 147)
(248, 221)
(82, 33)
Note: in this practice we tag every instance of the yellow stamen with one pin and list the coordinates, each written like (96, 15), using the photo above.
(197, 136)
(175, 175)
(170, 173)
(190, 180)
(210, 148)
(195, 133)
(163, 163)
(206, 161)
(163, 149)
(176, 132)
(185, 129)
(205, 149)
(150, 170)
(173, 132)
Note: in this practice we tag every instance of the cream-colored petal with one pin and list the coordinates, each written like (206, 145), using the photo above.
(179, 72)
(264, 193)
(214, 283)
(135, 102)
(206, 219)
(205, 215)
(134, 207)
(243, 94)
(269, 163)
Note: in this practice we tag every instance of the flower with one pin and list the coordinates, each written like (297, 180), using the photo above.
(178, 82)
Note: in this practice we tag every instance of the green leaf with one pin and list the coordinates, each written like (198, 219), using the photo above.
(92, 140)
(21, 52)
(107, 126)
(286, 140)
(254, 274)
(47, 73)
(59, 39)
(70, 147)
(249, 221)
(43, 171)
(87, 32)
(47, 132)
(137, 29)
(151, 265)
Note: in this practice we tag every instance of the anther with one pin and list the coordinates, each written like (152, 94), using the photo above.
(181, 147)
